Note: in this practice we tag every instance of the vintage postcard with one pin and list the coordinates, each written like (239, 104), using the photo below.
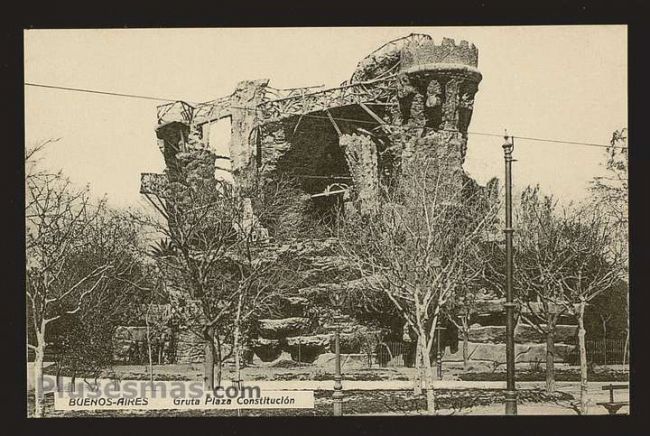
(344, 221)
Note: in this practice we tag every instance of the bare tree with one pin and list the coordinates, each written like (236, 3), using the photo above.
(198, 230)
(73, 251)
(419, 248)
(611, 190)
(259, 290)
(611, 194)
(211, 256)
(156, 322)
(459, 310)
(542, 252)
(82, 340)
(272, 209)
(596, 265)
(564, 259)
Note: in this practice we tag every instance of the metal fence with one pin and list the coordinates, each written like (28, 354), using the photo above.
(599, 351)
(607, 351)
(393, 354)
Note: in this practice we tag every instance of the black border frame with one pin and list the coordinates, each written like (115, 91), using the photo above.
(281, 14)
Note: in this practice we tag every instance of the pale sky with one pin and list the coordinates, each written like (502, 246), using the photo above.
(556, 82)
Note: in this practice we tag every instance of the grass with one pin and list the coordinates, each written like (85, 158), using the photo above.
(311, 372)
(561, 375)
(195, 372)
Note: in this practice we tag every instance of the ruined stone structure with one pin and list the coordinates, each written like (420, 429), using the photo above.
(410, 99)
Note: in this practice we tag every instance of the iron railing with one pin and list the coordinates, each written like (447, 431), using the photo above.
(607, 351)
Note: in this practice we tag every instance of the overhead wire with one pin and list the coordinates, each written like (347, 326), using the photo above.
(93, 91)
(116, 94)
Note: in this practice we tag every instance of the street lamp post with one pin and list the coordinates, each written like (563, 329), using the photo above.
(511, 393)
(337, 396)
(337, 299)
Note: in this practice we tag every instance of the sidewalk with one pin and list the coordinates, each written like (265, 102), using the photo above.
(328, 385)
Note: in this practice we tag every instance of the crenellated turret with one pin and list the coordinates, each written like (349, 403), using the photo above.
(442, 79)
(430, 55)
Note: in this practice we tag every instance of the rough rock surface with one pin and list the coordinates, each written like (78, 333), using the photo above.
(307, 348)
(310, 341)
(295, 306)
(566, 334)
(361, 157)
(497, 352)
(280, 328)
(284, 361)
(242, 152)
(523, 334)
(189, 347)
(495, 305)
(427, 107)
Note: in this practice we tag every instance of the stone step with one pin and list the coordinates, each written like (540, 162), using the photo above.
(280, 328)
(523, 334)
(497, 353)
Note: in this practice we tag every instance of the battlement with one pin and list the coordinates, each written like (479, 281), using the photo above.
(446, 52)
(374, 79)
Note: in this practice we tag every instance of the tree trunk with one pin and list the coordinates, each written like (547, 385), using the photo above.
(236, 342)
(583, 359)
(39, 354)
(238, 370)
(465, 343)
(59, 379)
(417, 379)
(146, 320)
(208, 360)
(550, 360)
(219, 361)
(431, 398)
(236, 346)
(423, 376)
(627, 343)
(604, 341)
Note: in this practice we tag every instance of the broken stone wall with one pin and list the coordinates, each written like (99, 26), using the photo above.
(244, 113)
(425, 118)
(303, 147)
(361, 156)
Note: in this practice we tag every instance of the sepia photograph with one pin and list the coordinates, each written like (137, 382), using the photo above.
(327, 221)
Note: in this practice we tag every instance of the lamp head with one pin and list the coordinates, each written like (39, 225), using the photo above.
(508, 143)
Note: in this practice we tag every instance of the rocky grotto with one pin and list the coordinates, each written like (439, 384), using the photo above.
(410, 99)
